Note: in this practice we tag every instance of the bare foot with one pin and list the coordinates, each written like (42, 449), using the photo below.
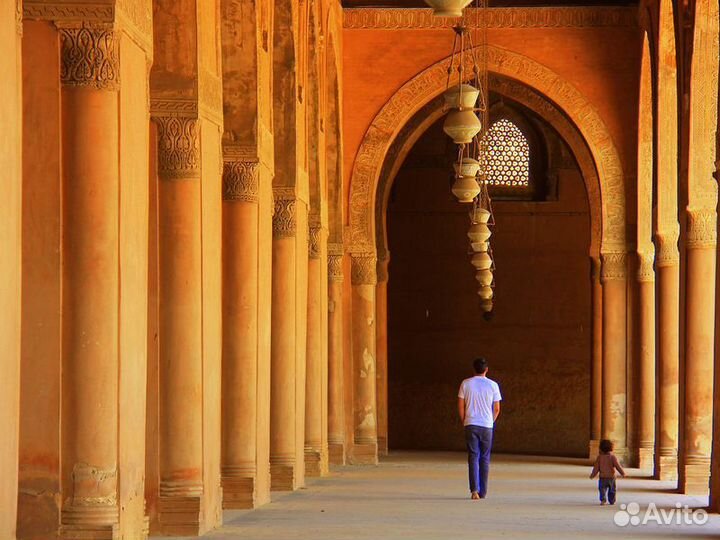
(474, 496)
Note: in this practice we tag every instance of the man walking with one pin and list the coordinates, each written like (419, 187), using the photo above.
(479, 406)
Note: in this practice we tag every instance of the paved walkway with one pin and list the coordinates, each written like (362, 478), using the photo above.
(419, 496)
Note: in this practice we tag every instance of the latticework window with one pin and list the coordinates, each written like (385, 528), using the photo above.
(508, 155)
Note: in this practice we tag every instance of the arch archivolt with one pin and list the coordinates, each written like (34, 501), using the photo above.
(519, 93)
(584, 128)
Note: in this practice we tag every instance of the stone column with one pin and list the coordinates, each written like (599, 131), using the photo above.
(646, 361)
(240, 332)
(364, 343)
(10, 261)
(700, 245)
(316, 385)
(91, 186)
(668, 303)
(283, 463)
(596, 388)
(614, 369)
(382, 354)
(180, 320)
(336, 399)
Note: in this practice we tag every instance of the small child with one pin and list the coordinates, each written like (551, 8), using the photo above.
(606, 464)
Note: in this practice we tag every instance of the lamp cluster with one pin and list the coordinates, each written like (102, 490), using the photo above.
(466, 97)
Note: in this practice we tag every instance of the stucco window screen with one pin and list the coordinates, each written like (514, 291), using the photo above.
(507, 155)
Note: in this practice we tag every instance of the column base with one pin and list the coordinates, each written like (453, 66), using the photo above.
(645, 459)
(382, 446)
(364, 454)
(695, 477)
(181, 516)
(238, 492)
(92, 522)
(666, 467)
(593, 449)
(336, 453)
(283, 477)
(316, 462)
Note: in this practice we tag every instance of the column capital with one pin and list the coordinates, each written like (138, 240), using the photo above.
(240, 180)
(89, 56)
(668, 253)
(701, 228)
(178, 146)
(363, 269)
(284, 219)
(314, 237)
(646, 270)
(614, 266)
(595, 268)
(335, 262)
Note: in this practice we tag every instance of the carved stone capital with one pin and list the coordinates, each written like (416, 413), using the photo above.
(335, 262)
(614, 266)
(595, 268)
(314, 237)
(668, 253)
(284, 215)
(178, 147)
(89, 57)
(701, 228)
(363, 269)
(646, 270)
(240, 181)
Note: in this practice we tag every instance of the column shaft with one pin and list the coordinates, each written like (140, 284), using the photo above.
(382, 356)
(614, 373)
(646, 362)
(240, 333)
(694, 470)
(336, 394)
(364, 280)
(90, 285)
(283, 369)
(316, 445)
(596, 388)
(668, 290)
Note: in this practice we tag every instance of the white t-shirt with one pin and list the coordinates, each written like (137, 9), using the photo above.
(479, 394)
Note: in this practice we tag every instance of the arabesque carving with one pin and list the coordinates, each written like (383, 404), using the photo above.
(432, 82)
(335, 262)
(614, 266)
(510, 17)
(284, 219)
(178, 147)
(314, 237)
(89, 57)
(646, 270)
(363, 269)
(668, 253)
(240, 181)
(701, 228)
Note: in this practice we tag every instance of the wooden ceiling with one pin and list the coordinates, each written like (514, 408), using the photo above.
(493, 3)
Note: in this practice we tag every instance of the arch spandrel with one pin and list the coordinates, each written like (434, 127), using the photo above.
(430, 83)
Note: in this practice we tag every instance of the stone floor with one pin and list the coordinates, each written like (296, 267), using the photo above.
(421, 496)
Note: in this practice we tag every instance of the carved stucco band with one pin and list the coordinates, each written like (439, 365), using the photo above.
(614, 266)
(701, 229)
(89, 57)
(432, 82)
(645, 271)
(335, 262)
(545, 17)
(178, 147)
(363, 269)
(668, 253)
(240, 181)
(284, 219)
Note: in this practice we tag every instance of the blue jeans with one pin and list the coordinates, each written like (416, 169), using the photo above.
(479, 442)
(607, 485)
